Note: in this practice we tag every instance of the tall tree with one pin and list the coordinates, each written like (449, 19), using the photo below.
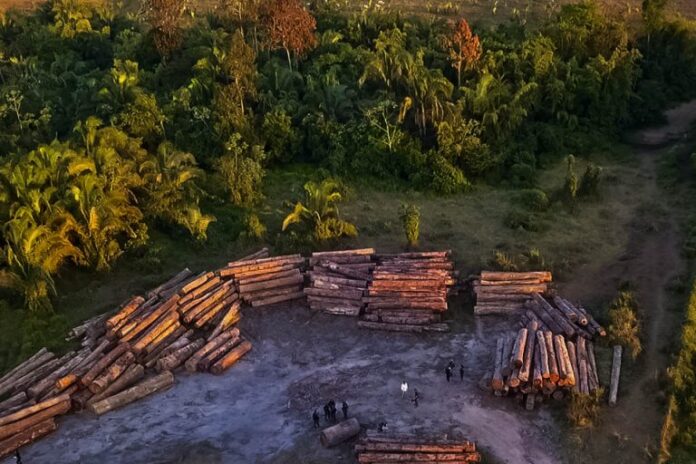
(165, 17)
(288, 25)
(464, 48)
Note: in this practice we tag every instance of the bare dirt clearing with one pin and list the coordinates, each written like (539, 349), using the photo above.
(260, 410)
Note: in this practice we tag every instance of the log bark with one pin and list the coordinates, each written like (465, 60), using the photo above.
(40, 388)
(16, 400)
(519, 348)
(210, 313)
(615, 375)
(528, 357)
(177, 358)
(293, 280)
(262, 253)
(198, 281)
(26, 365)
(27, 421)
(175, 281)
(103, 363)
(282, 274)
(565, 326)
(349, 273)
(231, 357)
(192, 363)
(23, 369)
(161, 326)
(339, 311)
(546, 318)
(544, 355)
(112, 373)
(145, 388)
(27, 436)
(568, 308)
(537, 378)
(507, 353)
(553, 364)
(322, 281)
(122, 315)
(230, 317)
(593, 363)
(572, 356)
(151, 318)
(37, 375)
(278, 299)
(133, 374)
(358, 251)
(356, 294)
(497, 380)
(582, 366)
(490, 275)
(217, 352)
(80, 399)
(340, 432)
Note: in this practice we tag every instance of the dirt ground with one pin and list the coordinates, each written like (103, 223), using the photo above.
(260, 411)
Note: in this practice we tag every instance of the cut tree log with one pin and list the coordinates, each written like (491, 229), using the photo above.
(553, 363)
(111, 373)
(227, 320)
(544, 355)
(507, 353)
(27, 421)
(528, 357)
(231, 357)
(122, 315)
(133, 374)
(103, 363)
(565, 326)
(217, 352)
(490, 275)
(278, 299)
(33, 363)
(340, 432)
(40, 388)
(519, 348)
(27, 436)
(177, 358)
(192, 363)
(145, 388)
(175, 281)
(593, 363)
(497, 382)
(581, 354)
(16, 400)
(262, 253)
(615, 375)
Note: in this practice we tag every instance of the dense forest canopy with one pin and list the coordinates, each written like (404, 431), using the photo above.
(113, 123)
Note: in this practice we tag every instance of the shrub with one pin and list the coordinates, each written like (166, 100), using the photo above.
(410, 218)
(517, 219)
(241, 171)
(570, 188)
(535, 260)
(254, 228)
(504, 262)
(624, 326)
(533, 199)
(589, 185)
(281, 138)
(446, 178)
(583, 409)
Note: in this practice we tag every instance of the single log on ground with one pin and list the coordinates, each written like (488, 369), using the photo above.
(497, 380)
(25, 437)
(490, 275)
(340, 432)
(400, 446)
(357, 251)
(231, 357)
(31, 420)
(145, 388)
(582, 366)
(615, 375)
(133, 374)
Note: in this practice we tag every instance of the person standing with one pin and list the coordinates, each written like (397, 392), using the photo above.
(404, 388)
(18, 458)
(327, 412)
(448, 373)
(416, 397)
(315, 418)
(461, 372)
(344, 407)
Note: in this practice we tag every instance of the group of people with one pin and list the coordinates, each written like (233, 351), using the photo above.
(330, 412)
(449, 371)
(416, 394)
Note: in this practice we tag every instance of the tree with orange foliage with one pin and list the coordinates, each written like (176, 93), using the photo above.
(289, 26)
(464, 48)
(164, 17)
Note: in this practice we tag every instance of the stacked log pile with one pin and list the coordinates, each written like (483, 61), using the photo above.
(338, 280)
(560, 316)
(408, 292)
(534, 363)
(507, 292)
(382, 449)
(265, 281)
(126, 355)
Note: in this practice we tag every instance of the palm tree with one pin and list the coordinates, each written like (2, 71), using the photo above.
(32, 255)
(104, 219)
(321, 212)
(389, 59)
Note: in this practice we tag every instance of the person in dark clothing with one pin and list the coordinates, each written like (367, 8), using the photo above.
(382, 427)
(18, 458)
(451, 365)
(332, 410)
(461, 372)
(327, 412)
(448, 373)
(315, 418)
(344, 407)
(416, 397)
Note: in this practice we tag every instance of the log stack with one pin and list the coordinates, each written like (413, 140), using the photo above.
(265, 281)
(560, 316)
(536, 363)
(507, 292)
(408, 292)
(383, 449)
(338, 280)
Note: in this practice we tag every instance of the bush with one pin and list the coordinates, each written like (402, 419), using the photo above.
(533, 200)
(410, 218)
(517, 219)
(583, 410)
(569, 191)
(624, 327)
(282, 141)
(446, 178)
(254, 228)
(589, 185)
(241, 171)
(504, 262)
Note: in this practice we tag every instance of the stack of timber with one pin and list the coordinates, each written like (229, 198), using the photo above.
(263, 281)
(560, 316)
(383, 449)
(30, 423)
(408, 292)
(338, 280)
(126, 355)
(507, 292)
(534, 363)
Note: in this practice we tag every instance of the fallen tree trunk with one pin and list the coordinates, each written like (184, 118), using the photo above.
(340, 432)
(145, 388)
(231, 357)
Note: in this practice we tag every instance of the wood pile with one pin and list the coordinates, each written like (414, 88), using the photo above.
(127, 354)
(534, 363)
(560, 316)
(338, 280)
(263, 281)
(383, 449)
(507, 292)
(408, 292)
